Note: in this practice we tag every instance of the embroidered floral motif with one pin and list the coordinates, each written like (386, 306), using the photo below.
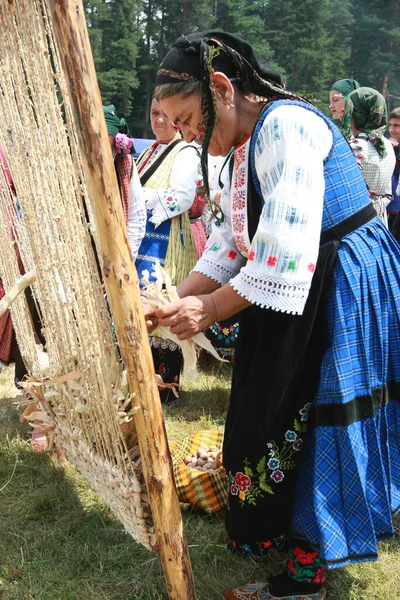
(251, 255)
(304, 411)
(305, 566)
(277, 476)
(274, 546)
(311, 267)
(240, 245)
(242, 481)
(172, 204)
(238, 223)
(291, 436)
(239, 200)
(214, 248)
(228, 334)
(272, 260)
(232, 254)
(292, 265)
(253, 481)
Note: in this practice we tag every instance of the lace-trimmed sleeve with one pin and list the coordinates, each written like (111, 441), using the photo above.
(290, 149)
(221, 260)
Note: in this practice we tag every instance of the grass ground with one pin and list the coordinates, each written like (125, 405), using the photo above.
(58, 541)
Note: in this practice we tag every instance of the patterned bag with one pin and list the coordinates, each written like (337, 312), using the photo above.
(203, 491)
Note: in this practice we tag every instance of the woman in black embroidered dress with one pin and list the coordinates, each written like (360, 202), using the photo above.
(310, 441)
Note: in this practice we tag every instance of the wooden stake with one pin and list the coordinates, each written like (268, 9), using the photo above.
(122, 288)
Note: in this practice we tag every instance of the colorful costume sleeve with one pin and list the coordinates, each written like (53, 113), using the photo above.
(178, 198)
(289, 160)
(136, 224)
(221, 260)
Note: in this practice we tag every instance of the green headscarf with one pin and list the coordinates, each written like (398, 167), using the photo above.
(345, 86)
(370, 115)
(114, 123)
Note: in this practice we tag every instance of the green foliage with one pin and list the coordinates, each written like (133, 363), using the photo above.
(312, 43)
(112, 26)
(376, 46)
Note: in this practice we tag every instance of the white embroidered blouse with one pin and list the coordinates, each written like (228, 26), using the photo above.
(178, 198)
(274, 270)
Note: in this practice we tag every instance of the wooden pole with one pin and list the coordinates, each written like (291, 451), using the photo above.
(69, 26)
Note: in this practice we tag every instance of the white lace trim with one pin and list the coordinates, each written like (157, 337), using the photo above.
(157, 342)
(272, 292)
(213, 270)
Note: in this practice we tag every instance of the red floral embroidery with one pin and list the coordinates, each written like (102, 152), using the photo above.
(320, 576)
(312, 267)
(242, 481)
(251, 255)
(304, 558)
(161, 369)
(238, 223)
(240, 245)
(267, 544)
(232, 254)
(291, 567)
(272, 260)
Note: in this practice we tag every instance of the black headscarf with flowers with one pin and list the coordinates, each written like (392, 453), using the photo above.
(195, 56)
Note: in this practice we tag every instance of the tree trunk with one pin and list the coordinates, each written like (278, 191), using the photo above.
(123, 291)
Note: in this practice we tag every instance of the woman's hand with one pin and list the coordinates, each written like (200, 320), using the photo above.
(149, 309)
(188, 316)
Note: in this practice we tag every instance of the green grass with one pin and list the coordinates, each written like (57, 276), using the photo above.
(58, 541)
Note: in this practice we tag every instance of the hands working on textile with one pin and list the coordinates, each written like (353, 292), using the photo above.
(185, 317)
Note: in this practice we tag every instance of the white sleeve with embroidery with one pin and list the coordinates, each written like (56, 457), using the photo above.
(290, 149)
(136, 224)
(179, 197)
(221, 260)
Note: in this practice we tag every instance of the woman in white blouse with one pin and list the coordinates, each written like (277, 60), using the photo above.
(310, 446)
(373, 152)
(169, 174)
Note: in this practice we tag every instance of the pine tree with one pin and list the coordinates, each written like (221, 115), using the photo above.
(112, 26)
(299, 38)
(376, 46)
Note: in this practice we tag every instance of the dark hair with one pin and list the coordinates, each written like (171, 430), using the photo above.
(395, 114)
(185, 88)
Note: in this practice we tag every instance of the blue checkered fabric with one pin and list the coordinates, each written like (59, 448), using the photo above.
(349, 479)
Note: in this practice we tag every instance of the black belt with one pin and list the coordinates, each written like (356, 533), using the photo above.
(339, 231)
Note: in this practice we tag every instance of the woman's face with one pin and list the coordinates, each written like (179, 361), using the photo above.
(187, 114)
(336, 104)
(161, 125)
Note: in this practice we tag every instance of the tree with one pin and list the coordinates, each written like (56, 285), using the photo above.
(112, 26)
(376, 45)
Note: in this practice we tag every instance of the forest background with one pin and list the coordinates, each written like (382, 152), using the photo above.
(311, 42)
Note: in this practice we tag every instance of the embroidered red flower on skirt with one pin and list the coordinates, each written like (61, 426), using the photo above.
(304, 558)
(242, 481)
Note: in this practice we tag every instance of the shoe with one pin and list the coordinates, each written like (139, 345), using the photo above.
(259, 590)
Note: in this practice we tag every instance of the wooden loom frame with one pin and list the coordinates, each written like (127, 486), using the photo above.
(121, 282)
